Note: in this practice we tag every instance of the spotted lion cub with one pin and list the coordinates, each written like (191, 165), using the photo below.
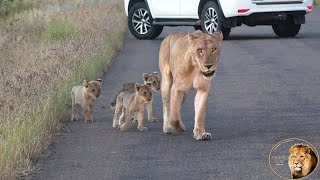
(132, 102)
(153, 80)
(85, 95)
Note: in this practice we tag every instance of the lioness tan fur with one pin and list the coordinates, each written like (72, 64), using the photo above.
(187, 61)
(85, 95)
(302, 161)
(151, 79)
(132, 102)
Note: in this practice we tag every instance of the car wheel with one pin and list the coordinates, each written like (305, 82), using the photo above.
(197, 27)
(287, 29)
(211, 19)
(140, 22)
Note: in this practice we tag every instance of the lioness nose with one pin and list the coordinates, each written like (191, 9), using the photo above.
(208, 66)
(296, 163)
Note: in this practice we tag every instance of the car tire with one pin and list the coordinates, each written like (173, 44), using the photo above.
(212, 19)
(140, 22)
(197, 27)
(287, 29)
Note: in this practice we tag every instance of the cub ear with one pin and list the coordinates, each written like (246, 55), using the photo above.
(137, 86)
(218, 36)
(156, 74)
(99, 80)
(85, 83)
(145, 77)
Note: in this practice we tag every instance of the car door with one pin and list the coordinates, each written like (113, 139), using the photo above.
(164, 8)
(189, 9)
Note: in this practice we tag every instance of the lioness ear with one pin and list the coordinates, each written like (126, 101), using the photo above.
(137, 86)
(218, 36)
(145, 76)
(191, 38)
(85, 83)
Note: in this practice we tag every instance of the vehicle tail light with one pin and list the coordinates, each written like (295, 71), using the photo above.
(243, 10)
(310, 8)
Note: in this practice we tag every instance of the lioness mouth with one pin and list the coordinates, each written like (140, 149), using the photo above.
(208, 74)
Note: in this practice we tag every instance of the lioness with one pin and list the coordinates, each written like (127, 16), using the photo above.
(153, 80)
(85, 95)
(187, 61)
(132, 102)
(302, 161)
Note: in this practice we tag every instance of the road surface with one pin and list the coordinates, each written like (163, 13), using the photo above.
(266, 89)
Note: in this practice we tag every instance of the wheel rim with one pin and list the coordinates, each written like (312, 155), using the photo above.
(141, 21)
(211, 20)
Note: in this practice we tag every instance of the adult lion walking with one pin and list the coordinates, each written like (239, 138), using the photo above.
(187, 61)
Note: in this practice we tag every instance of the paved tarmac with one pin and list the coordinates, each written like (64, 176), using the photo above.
(266, 89)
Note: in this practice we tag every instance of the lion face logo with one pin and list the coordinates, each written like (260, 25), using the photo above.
(206, 52)
(302, 160)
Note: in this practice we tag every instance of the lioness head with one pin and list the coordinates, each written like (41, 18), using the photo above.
(205, 51)
(299, 161)
(153, 80)
(144, 91)
(93, 87)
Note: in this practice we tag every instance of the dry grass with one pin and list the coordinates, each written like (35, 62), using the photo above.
(316, 2)
(43, 53)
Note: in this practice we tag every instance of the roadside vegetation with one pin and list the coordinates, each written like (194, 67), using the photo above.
(316, 2)
(46, 47)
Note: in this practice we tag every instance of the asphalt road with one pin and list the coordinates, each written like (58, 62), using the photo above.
(266, 89)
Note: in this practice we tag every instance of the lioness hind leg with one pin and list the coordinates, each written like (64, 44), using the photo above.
(165, 92)
(175, 106)
(149, 108)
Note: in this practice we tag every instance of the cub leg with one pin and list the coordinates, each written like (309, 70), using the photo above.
(140, 122)
(116, 116)
(126, 125)
(87, 113)
(149, 108)
(200, 106)
(122, 117)
(74, 112)
(175, 106)
(135, 117)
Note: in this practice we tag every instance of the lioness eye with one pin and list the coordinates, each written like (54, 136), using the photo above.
(213, 49)
(93, 90)
(199, 51)
(153, 82)
(301, 156)
(144, 93)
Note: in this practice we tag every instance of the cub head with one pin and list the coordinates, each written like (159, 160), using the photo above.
(205, 51)
(153, 80)
(93, 87)
(144, 91)
(300, 158)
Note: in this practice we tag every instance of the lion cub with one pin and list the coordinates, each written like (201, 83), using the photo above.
(85, 95)
(132, 102)
(153, 80)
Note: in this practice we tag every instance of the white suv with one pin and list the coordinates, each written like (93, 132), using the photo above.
(146, 18)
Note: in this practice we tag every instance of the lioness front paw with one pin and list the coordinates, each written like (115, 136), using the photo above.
(142, 129)
(153, 119)
(203, 136)
(74, 119)
(116, 126)
(167, 130)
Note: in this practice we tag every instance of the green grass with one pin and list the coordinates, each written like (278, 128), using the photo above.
(58, 31)
(316, 2)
